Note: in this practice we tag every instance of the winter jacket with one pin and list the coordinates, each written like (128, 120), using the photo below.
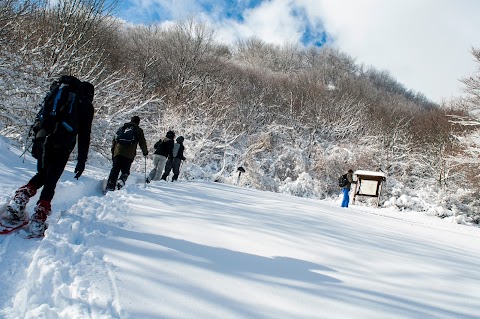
(84, 120)
(164, 147)
(84, 126)
(350, 180)
(130, 151)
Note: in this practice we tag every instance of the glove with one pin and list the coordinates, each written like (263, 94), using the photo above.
(79, 169)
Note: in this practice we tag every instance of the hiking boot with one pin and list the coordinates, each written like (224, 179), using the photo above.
(22, 195)
(122, 181)
(110, 187)
(14, 219)
(38, 225)
(42, 210)
(37, 228)
(120, 184)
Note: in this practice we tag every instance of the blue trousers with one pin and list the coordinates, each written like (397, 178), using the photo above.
(346, 197)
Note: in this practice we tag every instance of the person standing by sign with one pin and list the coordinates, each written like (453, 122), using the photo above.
(346, 182)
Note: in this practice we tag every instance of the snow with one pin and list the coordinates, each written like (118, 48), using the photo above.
(369, 173)
(210, 250)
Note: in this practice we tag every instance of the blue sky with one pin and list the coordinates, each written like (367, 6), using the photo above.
(424, 44)
(226, 12)
(150, 11)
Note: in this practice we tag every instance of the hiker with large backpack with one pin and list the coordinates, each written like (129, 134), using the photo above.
(163, 150)
(124, 150)
(66, 115)
(175, 161)
(345, 182)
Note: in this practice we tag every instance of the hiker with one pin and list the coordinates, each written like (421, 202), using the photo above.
(348, 181)
(124, 150)
(175, 161)
(163, 151)
(66, 114)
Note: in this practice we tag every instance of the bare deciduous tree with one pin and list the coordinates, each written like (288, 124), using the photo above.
(472, 83)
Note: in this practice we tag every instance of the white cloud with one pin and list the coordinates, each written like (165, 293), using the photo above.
(271, 21)
(424, 44)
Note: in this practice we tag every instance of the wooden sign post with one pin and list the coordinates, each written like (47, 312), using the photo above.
(368, 184)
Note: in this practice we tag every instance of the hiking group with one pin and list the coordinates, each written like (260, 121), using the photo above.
(66, 117)
(65, 120)
(168, 155)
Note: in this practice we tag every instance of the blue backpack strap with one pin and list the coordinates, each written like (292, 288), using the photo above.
(56, 100)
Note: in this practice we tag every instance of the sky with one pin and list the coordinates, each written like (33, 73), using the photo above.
(425, 44)
(205, 250)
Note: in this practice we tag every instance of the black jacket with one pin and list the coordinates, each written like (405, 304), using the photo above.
(164, 147)
(65, 143)
(85, 119)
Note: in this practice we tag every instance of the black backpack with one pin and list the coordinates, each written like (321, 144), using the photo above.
(343, 180)
(127, 135)
(57, 118)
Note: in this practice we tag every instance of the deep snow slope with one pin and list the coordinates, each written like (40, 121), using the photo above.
(209, 250)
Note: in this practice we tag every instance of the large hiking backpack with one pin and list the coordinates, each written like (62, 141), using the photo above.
(127, 135)
(343, 180)
(57, 118)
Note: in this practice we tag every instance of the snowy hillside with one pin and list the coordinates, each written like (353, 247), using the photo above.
(210, 250)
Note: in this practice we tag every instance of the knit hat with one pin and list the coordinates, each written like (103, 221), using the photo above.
(180, 139)
(135, 119)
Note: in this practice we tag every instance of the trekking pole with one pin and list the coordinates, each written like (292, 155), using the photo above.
(145, 179)
(27, 147)
(180, 168)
